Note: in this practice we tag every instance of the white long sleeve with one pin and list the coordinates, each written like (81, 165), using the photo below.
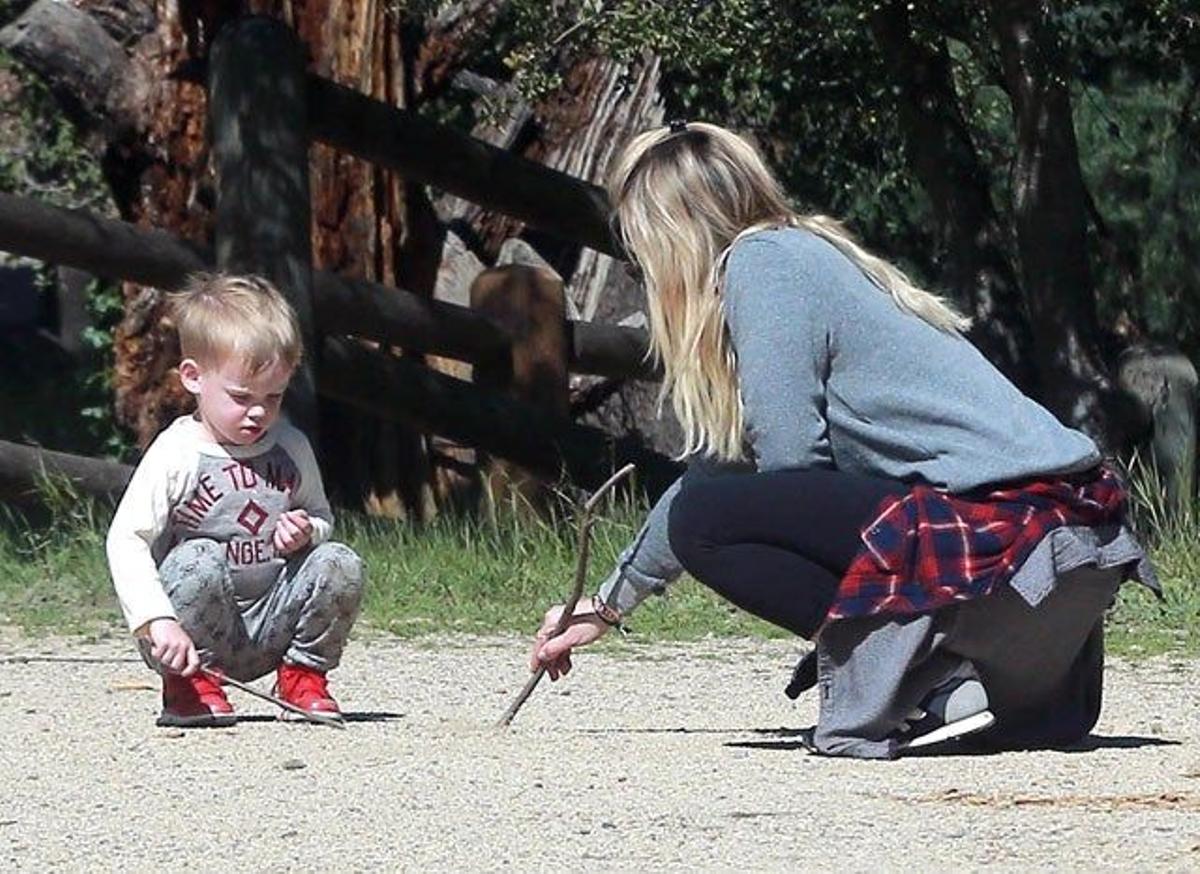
(157, 485)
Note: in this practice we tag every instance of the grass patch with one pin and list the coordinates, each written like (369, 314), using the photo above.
(497, 575)
(484, 575)
(500, 574)
(1140, 623)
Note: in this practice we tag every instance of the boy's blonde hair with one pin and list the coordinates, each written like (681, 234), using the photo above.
(220, 317)
(683, 195)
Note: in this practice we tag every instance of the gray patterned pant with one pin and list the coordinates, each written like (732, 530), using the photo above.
(304, 618)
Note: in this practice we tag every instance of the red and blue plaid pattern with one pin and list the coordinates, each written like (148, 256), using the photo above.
(931, 548)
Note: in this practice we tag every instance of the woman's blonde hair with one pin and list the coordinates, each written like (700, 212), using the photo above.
(220, 317)
(683, 195)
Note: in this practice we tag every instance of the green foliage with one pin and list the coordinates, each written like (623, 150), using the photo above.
(803, 79)
(808, 82)
(46, 155)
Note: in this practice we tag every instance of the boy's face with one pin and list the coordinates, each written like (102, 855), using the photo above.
(234, 406)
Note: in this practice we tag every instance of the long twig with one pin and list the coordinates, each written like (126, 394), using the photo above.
(308, 715)
(581, 561)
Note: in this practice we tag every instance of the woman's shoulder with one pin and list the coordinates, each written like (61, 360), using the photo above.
(779, 237)
(790, 257)
(787, 247)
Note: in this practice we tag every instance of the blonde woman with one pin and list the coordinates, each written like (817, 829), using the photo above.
(948, 543)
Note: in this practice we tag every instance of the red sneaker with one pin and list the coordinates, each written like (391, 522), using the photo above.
(194, 701)
(307, 689)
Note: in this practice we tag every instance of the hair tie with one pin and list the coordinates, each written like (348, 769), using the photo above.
(677, 126)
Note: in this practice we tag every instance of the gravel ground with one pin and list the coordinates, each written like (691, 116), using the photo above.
(647, 758)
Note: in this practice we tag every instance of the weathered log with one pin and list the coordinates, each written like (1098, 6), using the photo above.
(549, 445)
(259, 127)
(439, 156)
(101, 246)
(80, 62)
(24, 468)
(119, 250)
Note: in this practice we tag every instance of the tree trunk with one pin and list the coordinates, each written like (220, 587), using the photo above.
(937, 140)
(1050, 207)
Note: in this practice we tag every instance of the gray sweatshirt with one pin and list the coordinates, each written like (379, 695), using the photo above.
(187, 487)
(834, 374)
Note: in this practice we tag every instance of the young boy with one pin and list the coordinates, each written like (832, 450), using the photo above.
(219, 549)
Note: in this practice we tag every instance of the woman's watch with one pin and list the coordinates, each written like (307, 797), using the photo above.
(608, 615)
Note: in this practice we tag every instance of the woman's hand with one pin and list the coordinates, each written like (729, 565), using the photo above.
(172, 647)
(554, 653)
(293, 532)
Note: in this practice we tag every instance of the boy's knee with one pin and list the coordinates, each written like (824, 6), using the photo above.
(341, 568)
(196, 563)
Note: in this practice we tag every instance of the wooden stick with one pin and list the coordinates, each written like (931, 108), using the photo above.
(318, 718)
(581, 561)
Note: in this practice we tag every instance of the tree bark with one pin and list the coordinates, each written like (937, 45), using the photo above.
(977, 269)
(1050, 208)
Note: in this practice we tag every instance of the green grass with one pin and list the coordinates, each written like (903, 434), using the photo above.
(1141, 623)
(499, 574)
(466, 575)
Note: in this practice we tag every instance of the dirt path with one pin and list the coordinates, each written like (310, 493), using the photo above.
(655, 758)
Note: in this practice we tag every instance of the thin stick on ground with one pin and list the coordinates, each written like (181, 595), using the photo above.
(317, 718)
(581, 561)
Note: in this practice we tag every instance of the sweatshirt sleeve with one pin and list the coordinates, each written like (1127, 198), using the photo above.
(142, 515)
(310, 493)
(647, 565)
(776, 308)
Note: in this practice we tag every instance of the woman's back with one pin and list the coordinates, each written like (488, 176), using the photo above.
(834, 373)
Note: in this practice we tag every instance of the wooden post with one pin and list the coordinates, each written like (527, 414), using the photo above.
(530, 304)
(258, 118)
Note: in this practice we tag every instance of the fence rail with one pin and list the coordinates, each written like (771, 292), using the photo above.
(119, 250)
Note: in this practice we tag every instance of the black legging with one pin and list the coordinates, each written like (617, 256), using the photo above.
(776, 544)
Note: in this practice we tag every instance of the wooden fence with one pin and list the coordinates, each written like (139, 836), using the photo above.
(264, 111)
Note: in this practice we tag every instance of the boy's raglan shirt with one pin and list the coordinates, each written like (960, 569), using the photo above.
(187, 486)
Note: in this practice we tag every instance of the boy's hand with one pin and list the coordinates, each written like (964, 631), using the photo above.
(172, 647)
(293, 532)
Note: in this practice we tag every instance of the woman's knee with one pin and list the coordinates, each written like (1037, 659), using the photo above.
(690, 523)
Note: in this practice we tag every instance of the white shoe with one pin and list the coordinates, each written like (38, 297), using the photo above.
(953, 711)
